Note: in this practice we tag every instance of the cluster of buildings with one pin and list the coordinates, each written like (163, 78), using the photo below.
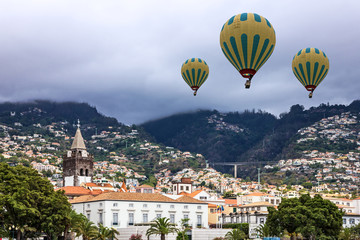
(188, 195)
(220, 124)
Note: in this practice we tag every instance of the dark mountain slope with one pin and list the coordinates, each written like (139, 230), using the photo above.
(247, 136)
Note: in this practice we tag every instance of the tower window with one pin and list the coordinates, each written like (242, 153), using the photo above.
(81, 172)
(87, 172)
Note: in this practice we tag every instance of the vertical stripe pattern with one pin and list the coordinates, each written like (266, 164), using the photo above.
(247, 41)
(194, 71)
(310, 67)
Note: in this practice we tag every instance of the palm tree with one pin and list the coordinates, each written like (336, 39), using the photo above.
(235, 234)
(106, 233)
(86, 229)
(162, 227)
(73, 221)
(263, 230)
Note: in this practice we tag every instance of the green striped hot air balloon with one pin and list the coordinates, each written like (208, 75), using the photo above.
(310, 66)
(247, 41)
(194, 71)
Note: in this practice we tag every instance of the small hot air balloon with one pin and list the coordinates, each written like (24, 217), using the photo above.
(310, 66)
(247, 40)
(194, 71)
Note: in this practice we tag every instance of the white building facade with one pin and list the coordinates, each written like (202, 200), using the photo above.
(121, 210)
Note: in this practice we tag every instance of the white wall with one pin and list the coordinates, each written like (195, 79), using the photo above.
(123, 208)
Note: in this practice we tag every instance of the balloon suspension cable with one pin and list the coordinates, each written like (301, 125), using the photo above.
(195, 91)
(311, 93)
(248, 82)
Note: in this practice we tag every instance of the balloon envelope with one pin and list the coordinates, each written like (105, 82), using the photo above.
(195, 71)
(247, 41)
(310, 66)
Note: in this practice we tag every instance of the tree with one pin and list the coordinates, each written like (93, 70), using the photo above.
(162, 227)
(74, 220)
(29, 204)
(184, 228)
(86, 229)
(235, 234)
(314, 217)
(106, 233)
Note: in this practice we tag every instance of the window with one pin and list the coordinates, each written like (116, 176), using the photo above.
(175, 188)
(186, 216)
(115, 218)
(186, 206)
(88, 206)
(131, 218)
(131, 205)
(145, 217)
(158, 206)
(262, 220)
(199, 220)
(212, 210)
(234, 209)
(158, 215)
(352, 221)
(172, 206)
(181, 188)
(172, 218)
(100, 217)
(114, 204)
(258, 208)
(187, 188)
(198, 207)
(100, 204)
(344, 221)
(144, 205)
(88, 216)
(203, 198)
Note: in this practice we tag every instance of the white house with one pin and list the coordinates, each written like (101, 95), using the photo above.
(124, 209)
(258, 197)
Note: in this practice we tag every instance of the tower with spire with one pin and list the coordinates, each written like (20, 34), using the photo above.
(78, 163)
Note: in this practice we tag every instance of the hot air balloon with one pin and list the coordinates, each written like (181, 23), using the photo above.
(194, 71)
(310, 66)
(247, 40)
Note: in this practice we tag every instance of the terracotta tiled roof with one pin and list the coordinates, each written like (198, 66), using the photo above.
(230, 201)
(128, 196)
(80, 199)
(188, 199)
(256, 194)
(74, 191)
(193, 194)
(184, 194)
(210, 205)
(145, 186)
(90, 184)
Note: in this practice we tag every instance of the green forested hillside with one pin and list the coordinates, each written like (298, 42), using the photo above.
(247, 136)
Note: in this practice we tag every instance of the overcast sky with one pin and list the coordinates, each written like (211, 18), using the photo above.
(124, 57)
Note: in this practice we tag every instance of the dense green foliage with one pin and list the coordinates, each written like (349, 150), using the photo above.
(29, 205)
(313, 218)
(263, 136)
(47, 112)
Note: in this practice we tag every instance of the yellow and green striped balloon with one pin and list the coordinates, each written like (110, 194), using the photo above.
(310, 66)
(195, 71)
(247, 40)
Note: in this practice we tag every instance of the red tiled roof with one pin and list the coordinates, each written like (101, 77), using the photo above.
(230, 201)
(193, 194)
(74, 191)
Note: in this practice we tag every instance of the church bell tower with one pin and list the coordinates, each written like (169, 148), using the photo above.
(78, 163)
